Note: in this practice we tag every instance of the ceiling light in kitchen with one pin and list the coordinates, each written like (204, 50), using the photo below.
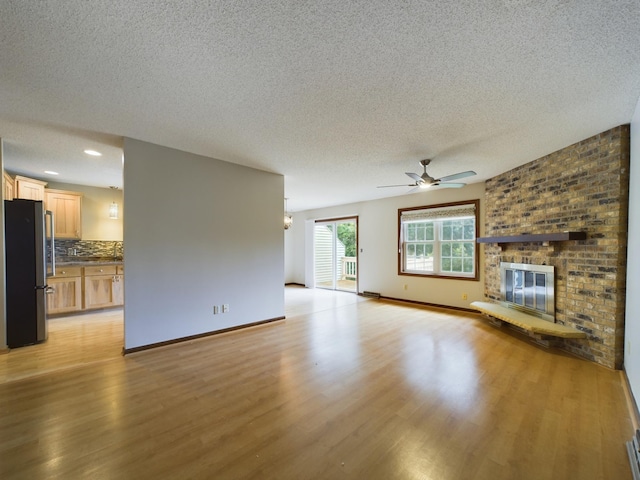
(51, 172)
(113, 208)
(288, 219)
(113, 211)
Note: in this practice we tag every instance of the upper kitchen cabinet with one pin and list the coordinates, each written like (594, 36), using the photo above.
(8, 186)
(29, 188)
(67, 212)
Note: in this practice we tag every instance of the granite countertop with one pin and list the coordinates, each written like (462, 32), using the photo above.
(85, 261)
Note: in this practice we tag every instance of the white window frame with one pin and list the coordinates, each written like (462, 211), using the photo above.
(438, 214)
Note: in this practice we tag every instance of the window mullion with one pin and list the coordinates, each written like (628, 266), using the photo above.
(437, 238)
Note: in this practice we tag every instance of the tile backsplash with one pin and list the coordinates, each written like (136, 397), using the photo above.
(88, 248)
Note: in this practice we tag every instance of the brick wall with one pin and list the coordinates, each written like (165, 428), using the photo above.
(583, 187)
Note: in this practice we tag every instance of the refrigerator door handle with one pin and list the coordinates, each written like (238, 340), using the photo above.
(51, 237)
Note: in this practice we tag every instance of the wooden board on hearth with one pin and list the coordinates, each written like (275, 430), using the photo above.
(527, 322)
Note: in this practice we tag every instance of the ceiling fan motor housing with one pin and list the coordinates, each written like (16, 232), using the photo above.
(425, 176)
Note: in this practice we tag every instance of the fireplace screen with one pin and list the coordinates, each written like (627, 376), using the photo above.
(529, 288)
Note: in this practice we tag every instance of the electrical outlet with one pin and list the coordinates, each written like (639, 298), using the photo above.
(464, 296)
(225, 308)
(216, 309)
(406, 286)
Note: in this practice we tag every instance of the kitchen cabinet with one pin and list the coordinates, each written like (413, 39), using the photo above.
(29, 188)
(65, 291)
(67, 212)
(118, 290)
(77, 288)
(8, 186)
(99, 284)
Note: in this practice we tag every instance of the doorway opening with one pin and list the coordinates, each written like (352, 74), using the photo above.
(335, 246)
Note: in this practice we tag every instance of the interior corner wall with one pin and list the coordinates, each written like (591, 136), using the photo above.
(3, 317)
(378, 248)
(198, 232)
(632, 314)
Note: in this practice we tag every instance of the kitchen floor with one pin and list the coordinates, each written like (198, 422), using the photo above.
(74, 340)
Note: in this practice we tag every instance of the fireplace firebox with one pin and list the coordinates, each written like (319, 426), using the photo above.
(529, 288)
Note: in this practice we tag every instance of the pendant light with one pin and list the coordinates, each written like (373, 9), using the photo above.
(288, 219)
(113, 208)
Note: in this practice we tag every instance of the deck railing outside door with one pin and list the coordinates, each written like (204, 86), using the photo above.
(349, 268)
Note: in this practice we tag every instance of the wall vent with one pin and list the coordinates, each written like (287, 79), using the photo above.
(370, 294)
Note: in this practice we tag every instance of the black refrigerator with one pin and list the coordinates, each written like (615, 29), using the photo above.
(30, 258)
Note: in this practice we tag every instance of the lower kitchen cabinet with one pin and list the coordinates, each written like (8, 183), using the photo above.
(65, 291)
(75, 288)
(118, 290)
(99, 286)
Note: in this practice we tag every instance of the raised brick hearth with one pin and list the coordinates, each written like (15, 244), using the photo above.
(583, 187)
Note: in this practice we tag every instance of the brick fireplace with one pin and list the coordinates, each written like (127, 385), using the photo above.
(583, 187)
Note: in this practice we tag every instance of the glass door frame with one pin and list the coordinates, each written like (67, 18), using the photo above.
(334, 260)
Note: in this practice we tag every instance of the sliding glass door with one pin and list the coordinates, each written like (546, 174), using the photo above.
(336, 254)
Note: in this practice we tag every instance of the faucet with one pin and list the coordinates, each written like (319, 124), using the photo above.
(115, 249)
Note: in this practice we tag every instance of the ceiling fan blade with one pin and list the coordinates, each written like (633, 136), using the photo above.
(403, 185)
(455, 176)
(414, 176)
(448, 185)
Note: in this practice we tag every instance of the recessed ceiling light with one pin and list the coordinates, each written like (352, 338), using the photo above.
(51, 172)
(93, 153)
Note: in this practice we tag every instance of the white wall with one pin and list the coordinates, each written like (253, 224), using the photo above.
(632, 314)
(96, 224)
(289, 267)
(198, 232)
(378, 241)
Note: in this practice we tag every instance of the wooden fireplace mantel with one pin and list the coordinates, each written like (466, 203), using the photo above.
(537, 237)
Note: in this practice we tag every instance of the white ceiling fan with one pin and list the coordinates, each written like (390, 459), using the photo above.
(427, 181)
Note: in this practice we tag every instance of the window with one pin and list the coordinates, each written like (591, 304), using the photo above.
(439, 240)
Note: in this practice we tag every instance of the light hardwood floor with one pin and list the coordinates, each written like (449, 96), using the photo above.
(346, 387)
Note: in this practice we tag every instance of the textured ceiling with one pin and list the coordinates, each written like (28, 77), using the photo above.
(338, 96)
